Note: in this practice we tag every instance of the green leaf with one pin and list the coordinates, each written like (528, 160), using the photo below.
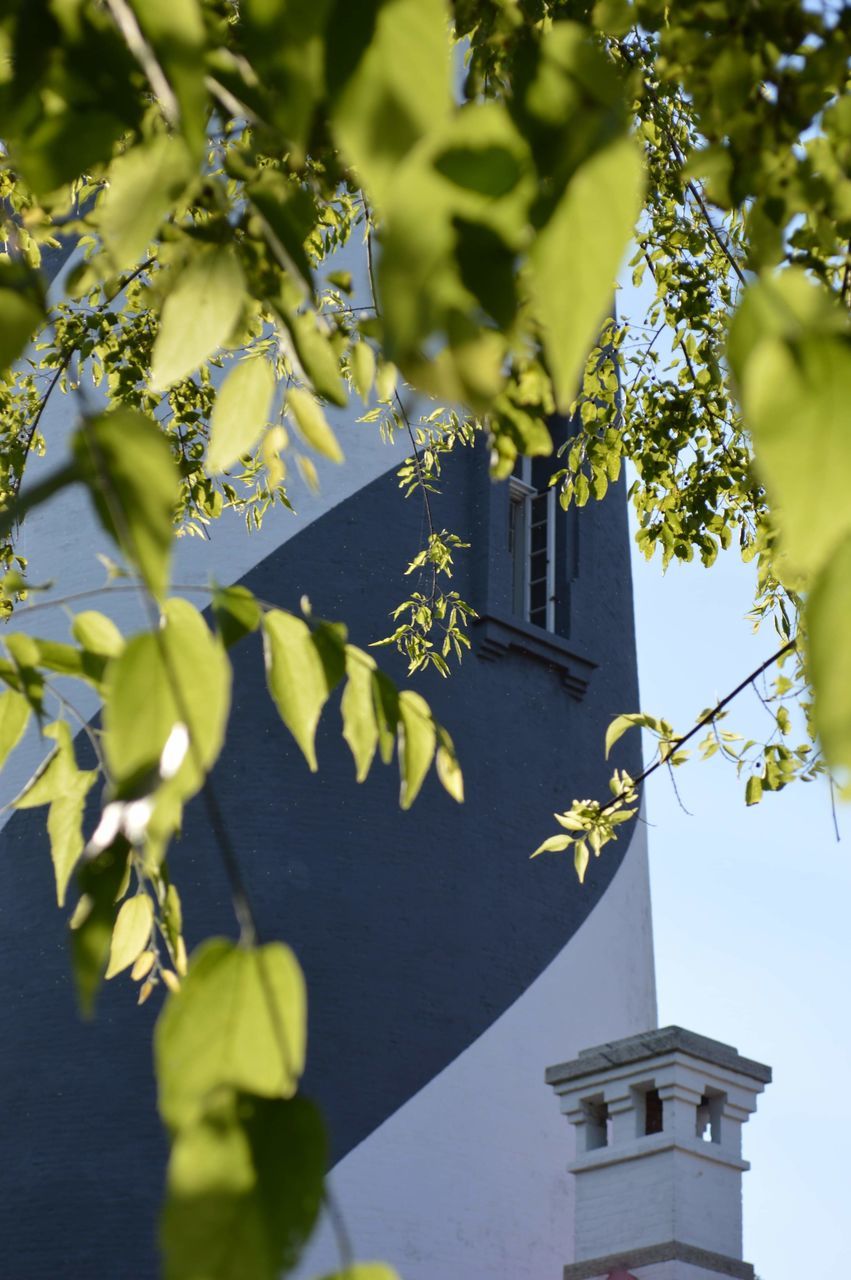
(14, 718)
(59, 783)
(132, 933)
(448, 768)
(554, 844)
(360, 727)
(753, 790)
(791, 354)
(569, 821)
(300, 677)
(240, 413)
(68, 660)
(417, 741)
(97, 634)
(244, 1190)
(198, 316)
(286, 46)
(239, 1020)
(386, 702)
(618, 728)
(314, 352)
(20, 316)
(175, 30)
(362, 364)
(581, 858)
(582, 246)
(391, 84)
(289, 213)
(126, 462)
(312, 423)
(365, 1271)
(65, 828)
(237, 613)
(140, 709)
(144, 183)
(54, 774)
(24, 652)
(828, 619)
(93, 920)
(139, 712)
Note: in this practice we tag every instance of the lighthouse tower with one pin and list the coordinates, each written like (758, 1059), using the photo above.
(443, 967)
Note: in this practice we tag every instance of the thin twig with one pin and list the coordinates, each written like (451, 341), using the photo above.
(81, 720)
(679, 798)
(833, 809)
(418, 469)
(62, 367)
(125, 20)
(340, 1230)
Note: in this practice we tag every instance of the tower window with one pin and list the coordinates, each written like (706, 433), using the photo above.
(532, 546)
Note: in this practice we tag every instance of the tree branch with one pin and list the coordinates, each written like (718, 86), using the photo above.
(709, 718)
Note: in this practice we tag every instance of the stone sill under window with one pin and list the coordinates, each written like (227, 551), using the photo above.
(498, 633)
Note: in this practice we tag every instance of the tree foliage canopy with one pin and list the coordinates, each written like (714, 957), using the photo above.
(489, 164)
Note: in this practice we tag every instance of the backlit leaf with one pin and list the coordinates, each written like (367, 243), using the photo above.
(55, 774)
(97, 633)
(20, 316)
(554, 844)
(140, 709)
(753, 790)
(448, 768)
(239, 1020)
(237, 613)
(240, 413)
(299, 677)
(362, 362)
(59, 783)
(360, 728)
(65, 828)
(132, 933)
(14, 718)
(418, 738)
(244, 1190)
(313, 350)
(175, 30)
(392, 84)
(828, 616)
(126, 462)
(582, 246)
(312, 423)
(93, 920)
(198, 316)
(144, 182)
(365, 1271)
(791, 353)
(581, 858)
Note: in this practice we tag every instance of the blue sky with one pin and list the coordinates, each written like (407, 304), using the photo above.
(751, 920)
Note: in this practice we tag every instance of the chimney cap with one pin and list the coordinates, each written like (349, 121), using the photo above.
(652, 1044)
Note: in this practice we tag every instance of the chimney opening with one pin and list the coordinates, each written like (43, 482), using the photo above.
(652, 1112)
(597, 1123)
(708, 1125)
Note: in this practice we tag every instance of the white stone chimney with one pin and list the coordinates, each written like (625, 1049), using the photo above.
(659, 1163)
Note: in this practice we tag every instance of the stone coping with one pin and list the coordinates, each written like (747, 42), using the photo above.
(671, 1251)
(652, 1044)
